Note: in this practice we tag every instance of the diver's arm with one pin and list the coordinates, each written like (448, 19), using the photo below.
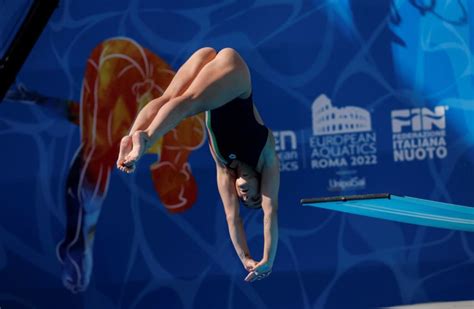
(269, 186)
(225, 184)
(270, 183)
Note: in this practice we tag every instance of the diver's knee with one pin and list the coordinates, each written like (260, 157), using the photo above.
(230, 59)
(229, 53)
(205, 53)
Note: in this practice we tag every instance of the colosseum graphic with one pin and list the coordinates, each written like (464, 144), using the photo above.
(333, 120)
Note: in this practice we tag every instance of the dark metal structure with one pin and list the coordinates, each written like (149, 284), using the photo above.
(24, 40)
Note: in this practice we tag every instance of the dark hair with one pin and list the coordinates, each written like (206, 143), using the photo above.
(253, 206)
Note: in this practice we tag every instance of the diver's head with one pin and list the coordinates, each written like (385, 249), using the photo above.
(247, 186)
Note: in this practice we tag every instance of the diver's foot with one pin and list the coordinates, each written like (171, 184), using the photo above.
(126, 146)
(76, 268)
(140, 142)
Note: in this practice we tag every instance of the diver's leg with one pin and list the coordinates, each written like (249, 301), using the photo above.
(223, 79)
(179, 84)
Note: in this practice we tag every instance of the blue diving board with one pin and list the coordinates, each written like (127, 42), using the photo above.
(401, 209)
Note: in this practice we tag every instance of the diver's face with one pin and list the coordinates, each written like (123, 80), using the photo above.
(248, 190)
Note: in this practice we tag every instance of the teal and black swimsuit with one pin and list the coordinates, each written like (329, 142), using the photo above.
(235, 134)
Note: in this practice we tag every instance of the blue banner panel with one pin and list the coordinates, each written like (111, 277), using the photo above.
(361, 96)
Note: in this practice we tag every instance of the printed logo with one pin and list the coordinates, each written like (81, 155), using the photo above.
(332, 120)
(419, 134)
(353, 183)
(342, 137)
(286, 146)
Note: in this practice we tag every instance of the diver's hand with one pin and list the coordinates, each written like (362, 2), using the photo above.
(249, 263)
(261, 270)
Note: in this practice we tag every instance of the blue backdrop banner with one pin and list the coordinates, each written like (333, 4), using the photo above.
(362, 97)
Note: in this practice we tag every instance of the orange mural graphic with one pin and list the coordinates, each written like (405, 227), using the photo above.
(121, 77)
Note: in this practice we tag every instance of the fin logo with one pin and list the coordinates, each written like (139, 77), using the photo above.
(419, 134)
(419, 119)
(328, 119)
